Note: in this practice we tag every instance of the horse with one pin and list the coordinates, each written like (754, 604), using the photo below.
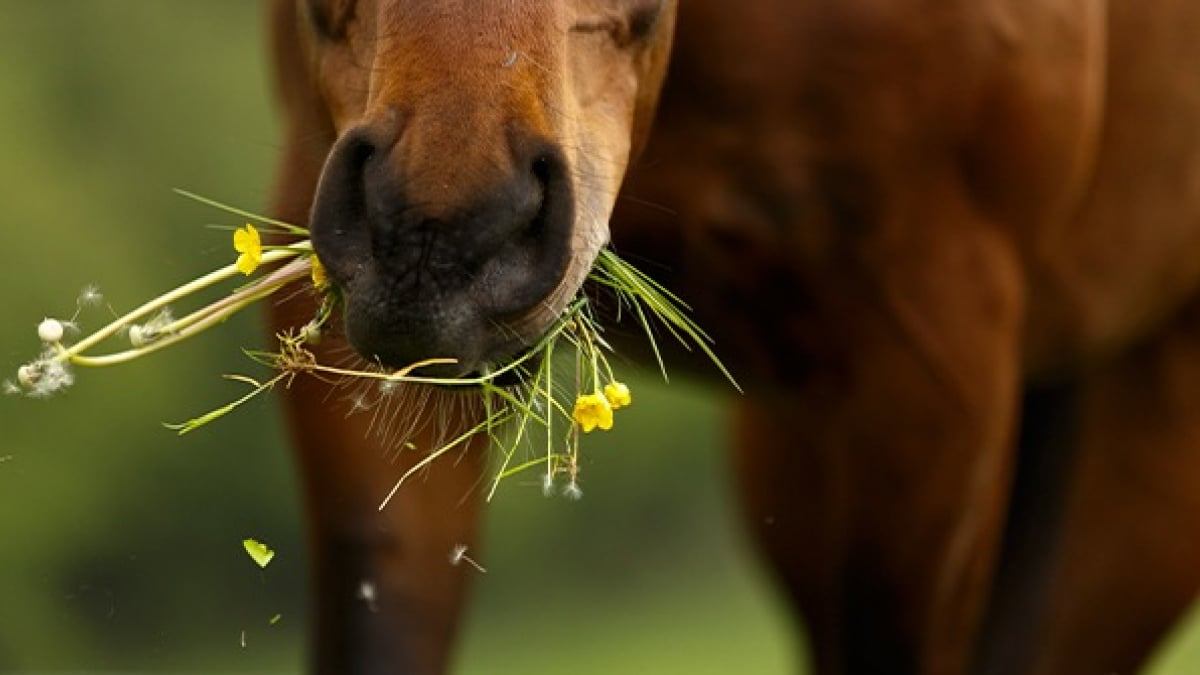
(950, 249)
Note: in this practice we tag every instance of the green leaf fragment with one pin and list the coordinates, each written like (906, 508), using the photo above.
(259, 552)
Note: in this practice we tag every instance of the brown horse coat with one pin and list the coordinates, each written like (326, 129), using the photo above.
(951, 250)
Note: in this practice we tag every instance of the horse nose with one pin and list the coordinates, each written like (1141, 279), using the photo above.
(382, 201)
(438, 245)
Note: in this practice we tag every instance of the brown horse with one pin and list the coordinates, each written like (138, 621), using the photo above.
(951, 248)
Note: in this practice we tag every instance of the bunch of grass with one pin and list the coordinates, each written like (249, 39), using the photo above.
(562, 410)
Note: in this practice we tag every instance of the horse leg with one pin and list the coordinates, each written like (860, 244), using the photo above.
(876, 486)
(387, 594)
(1131, 558)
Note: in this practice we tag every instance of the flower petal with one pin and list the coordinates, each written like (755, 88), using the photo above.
(592, 411)
(246, 239)
(320, 278)
(618, 395)
(248, 262)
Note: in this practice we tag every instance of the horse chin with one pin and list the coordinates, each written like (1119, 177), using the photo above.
(458, 337)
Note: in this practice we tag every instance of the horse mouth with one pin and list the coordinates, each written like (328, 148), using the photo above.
(471, 272)
(481, 331)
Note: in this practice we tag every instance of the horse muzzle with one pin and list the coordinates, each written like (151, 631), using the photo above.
(443, 250)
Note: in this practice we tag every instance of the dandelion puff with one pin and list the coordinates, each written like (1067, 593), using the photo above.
(161, 319)
(29, 374)
(90, 296)
(11, 388)
(310, 333)
(547, 484)
(359, 403)
(141, 335)
(54, 376)
(572, 491)
(366, 593)
(50, 330)
(458, 555)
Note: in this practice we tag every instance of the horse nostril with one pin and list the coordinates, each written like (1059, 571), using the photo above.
(340, 210)
(541, 170)
(541, 176)
(361, 152)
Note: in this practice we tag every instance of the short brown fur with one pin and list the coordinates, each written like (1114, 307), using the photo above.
(896, 218)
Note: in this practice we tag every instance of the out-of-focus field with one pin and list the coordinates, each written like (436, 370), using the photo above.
(120, 542)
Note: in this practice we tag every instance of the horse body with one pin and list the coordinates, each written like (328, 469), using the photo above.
(949, 247)
(902, 224)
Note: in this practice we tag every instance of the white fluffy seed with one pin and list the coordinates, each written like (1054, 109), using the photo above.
(28, 375)
(136, 336)
(50, 330)
(311, 333)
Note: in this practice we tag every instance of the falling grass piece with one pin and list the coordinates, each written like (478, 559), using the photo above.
(260, 553)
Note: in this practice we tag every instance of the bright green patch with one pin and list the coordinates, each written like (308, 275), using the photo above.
(260, 553)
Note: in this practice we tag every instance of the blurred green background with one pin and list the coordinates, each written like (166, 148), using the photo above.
(120, 542)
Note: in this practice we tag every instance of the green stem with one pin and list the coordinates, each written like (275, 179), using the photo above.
(161, 301)
(194, 325)
(265, 286)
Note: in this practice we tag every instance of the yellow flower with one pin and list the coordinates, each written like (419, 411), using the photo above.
(320, 278)
(247, 242)
(617, 394)
(593, 410)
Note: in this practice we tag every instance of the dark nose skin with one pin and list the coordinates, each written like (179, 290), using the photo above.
(433, 268)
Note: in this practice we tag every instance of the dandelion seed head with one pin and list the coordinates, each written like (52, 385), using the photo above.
(11, 388)
(572, 491)
(28, 374)
(547, 484)
(161, 319)
(310, 333)
(141, 335)
(359, 402)
(53, 376)
(50, 330)
(458, 554)
(90, 296)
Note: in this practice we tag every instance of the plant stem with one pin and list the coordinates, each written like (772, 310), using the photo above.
(214, 277)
